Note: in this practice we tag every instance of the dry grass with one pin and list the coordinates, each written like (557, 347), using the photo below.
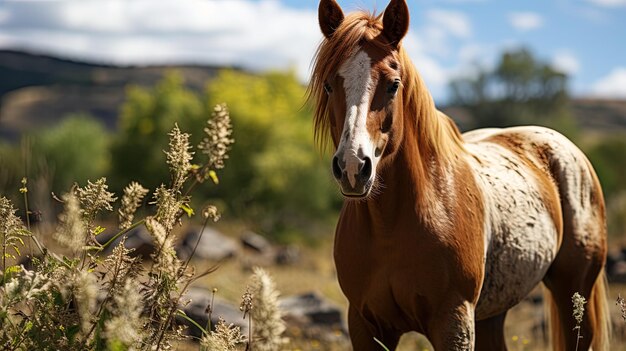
(316, 273)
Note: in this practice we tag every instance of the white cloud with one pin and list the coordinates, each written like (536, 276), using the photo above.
(254, 34)
(525, 21)
(433, 73)
(566, 62)
(608, 3)
(612, 85)
(442, 30)
(453, 22)
(4, 15)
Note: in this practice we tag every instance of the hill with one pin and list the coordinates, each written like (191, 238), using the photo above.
(38, 90)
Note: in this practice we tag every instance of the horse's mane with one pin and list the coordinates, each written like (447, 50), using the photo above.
(436, 134)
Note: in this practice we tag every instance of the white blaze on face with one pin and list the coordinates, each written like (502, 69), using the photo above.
(356, 142)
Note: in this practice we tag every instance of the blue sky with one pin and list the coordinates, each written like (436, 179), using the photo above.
(447, 38)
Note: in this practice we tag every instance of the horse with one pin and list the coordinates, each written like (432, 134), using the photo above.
(442, 232)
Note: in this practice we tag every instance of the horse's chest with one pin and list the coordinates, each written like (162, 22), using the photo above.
(521, 236)
(386, 299)
(385, 283)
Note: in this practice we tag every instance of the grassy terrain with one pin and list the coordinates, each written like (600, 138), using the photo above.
(316, 273)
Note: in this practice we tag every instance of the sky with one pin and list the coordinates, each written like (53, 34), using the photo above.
(446, 39)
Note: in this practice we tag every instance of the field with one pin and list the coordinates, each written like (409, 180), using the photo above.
(84, 300)
(524, 326)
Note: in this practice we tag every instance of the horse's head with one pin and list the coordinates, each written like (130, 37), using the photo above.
(360, 68)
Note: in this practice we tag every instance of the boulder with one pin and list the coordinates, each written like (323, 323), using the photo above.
(196, 309)
(312, 316)
(138, 239)
(213, 245)
(617, 273)
(287, 255)
(256, 242)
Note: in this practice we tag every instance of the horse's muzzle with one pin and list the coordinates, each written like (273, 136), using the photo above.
(355, 178)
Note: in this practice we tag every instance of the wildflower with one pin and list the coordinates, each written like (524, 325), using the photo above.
(133, 195)
(126, 323)
(246, 302)
(622, 305)
(579, 307)
(71, 230)
(165, 257)
(210, 212)
(179, 157)
(269, 325)
(121, 263)
(26, 285)
(168, 207)
(85, 294)
(11, 228)
(217, 141)
(226, 337)
(9, 222)
(94, 198)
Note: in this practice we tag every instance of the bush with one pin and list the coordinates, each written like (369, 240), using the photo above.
(75, 150)
(84, 300)
(275, 178)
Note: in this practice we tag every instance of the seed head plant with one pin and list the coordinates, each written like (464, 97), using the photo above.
(579, 311)
(83, 298)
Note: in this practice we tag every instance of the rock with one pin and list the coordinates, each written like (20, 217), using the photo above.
(213, 245)
(197, 311)
(138, 239)
(313, 317)
(287, 255)
(255, 242)
(617, 273)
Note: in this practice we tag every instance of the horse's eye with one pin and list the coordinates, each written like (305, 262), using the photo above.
(327, 88)
(393, 88)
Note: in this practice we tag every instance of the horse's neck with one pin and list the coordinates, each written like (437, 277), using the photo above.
(415, 184)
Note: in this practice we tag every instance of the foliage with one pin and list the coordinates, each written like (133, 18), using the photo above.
(609, 160)
(276, 178)
(273, 166)
(75, 150)
(145, 118)
(11, 170)
(519, 90)
(86, 300)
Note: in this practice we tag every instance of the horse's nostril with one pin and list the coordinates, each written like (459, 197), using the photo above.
(337, 172)
(366, 170)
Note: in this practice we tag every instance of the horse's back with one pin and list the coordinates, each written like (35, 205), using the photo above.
(538, 186)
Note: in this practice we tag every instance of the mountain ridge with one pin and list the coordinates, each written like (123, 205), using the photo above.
(40, 89)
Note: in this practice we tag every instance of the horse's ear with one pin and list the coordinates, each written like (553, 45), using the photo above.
(396, 21)
(330, 16)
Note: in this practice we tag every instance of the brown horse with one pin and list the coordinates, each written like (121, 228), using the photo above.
(442, 233)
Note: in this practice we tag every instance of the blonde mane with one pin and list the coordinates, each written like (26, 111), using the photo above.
(435, 133)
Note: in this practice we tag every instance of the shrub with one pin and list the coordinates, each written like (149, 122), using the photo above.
(86, 300)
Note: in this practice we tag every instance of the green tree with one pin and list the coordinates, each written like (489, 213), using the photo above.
(608, 157)
(11, 170)
(276, 176)
(519, 90)
(146, 117)
(75, 150)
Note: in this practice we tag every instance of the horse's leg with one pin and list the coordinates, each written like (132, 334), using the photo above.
(563, 324)
(362, 335)
(577, 275)
(490, 333)
(577, 267)
(453, 328)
